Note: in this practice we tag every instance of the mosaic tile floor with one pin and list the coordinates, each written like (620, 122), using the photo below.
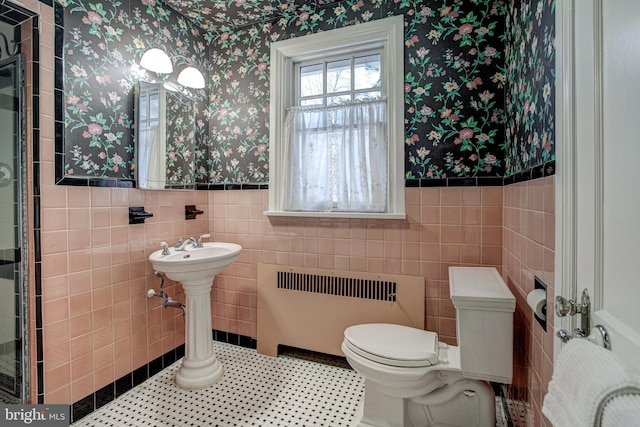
(256, 390)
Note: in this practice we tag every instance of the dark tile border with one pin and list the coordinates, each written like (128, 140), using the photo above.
(541, 171)
(233, 186)
(236, 339)
(108, 393)
(38, 375)
(15, 14)
(58, 95)
(537, 172)
(94, 182)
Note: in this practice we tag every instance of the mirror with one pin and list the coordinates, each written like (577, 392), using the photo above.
(165, 128)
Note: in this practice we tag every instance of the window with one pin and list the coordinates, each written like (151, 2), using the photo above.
(337, 123)
(338, 80)
(151, 141)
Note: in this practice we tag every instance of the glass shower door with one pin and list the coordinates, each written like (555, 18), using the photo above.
(12, 232)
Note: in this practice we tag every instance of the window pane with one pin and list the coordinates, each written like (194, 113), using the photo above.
(311, 101)
(337, 100)
(154, 106)
(142, 107)
(367, 71)
(339, 76)
(311, 80)
(372, 94)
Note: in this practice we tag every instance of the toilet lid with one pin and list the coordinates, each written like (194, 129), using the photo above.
(395, 345)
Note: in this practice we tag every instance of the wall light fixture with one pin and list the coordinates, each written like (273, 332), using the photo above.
(158, 61)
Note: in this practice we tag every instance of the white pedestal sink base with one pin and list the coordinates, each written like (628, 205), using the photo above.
(199, 374)
(200, 367)
(196, 269)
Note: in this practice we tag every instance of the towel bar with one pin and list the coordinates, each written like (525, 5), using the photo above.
(598, 336)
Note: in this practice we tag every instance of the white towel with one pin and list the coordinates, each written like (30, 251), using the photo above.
(622, 411)
(585, 378)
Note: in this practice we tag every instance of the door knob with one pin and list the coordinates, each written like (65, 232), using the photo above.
(571, 307)
(565, 307)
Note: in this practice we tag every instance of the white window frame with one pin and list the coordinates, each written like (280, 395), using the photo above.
(353, 92)
(386, 33)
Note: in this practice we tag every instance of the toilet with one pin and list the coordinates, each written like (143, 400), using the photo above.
(413, 380)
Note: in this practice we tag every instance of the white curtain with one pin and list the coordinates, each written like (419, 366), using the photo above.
(152, 170)
(336, 158)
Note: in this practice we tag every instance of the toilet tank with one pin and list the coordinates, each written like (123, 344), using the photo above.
(484, 306)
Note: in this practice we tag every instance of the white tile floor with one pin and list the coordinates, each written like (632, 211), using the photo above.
(256, 390)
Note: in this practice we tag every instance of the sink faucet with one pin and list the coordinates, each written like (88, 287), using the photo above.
(182, 245)
(165, 248)
(203, 236)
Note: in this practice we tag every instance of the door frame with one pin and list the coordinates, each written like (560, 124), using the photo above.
(580, 34)
(565, 188)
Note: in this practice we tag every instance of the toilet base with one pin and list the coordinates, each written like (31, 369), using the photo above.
(381, 410)
(464, 403)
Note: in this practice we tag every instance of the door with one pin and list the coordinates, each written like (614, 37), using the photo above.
(12, 234)
(598, 196)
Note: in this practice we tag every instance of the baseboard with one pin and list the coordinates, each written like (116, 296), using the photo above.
(108, 393)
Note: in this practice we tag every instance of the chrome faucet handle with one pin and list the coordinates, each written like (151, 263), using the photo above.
(165, 248)
(179, 242)
(205, 236)
(183, 244)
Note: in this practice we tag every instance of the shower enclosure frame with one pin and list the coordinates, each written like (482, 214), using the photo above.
(21, 273)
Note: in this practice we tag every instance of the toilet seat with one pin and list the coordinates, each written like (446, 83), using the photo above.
(393, 345)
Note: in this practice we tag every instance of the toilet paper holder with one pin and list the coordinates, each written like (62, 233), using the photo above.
(542, 321)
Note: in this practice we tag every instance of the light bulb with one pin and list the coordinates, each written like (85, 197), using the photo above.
(191, 77)
(156, 60)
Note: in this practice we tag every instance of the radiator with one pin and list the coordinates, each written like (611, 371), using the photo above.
(310, 308)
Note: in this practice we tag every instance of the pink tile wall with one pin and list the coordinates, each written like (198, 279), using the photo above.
(101, 268)
(99, 325)
(444, 226)
(96, 275)
(97, 322)
(529, 242)
(46, 152)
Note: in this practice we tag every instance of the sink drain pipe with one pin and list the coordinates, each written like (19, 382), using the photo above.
(168, 301)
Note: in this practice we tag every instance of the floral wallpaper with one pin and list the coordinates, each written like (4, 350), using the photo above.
(214, 14)
(454, 85)
(479, 79)
(530, 102)
(103, 43)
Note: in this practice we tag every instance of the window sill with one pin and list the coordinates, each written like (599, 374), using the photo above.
(356, 215)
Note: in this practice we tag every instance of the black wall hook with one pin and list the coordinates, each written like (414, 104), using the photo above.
(190, 212)
(137, 215)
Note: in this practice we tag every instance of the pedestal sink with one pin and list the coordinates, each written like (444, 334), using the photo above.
(195, 268)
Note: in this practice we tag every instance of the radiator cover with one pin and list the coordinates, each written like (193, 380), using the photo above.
(310, 308)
